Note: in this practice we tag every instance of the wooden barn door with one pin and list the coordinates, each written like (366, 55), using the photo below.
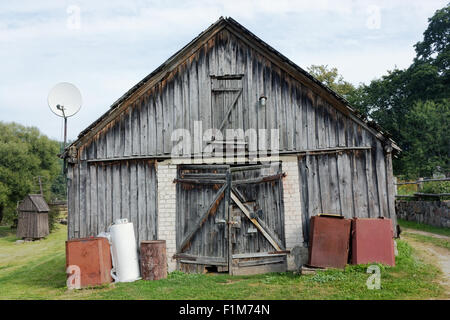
(257, 220)
(230, 219)
(201, 218)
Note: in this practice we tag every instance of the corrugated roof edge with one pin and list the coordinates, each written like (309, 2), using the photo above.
(234, 23)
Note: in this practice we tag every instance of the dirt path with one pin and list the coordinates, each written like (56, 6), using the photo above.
(424, 233)
(434, 254)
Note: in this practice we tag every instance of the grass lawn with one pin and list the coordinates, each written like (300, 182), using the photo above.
(424, 227)
(36, 271)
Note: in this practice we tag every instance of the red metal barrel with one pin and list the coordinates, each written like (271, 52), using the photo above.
(329, 242)
(93, 258)
(153, 260)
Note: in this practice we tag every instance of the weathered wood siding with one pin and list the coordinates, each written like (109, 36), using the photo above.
(99, 193)
(357, 183)
(32, 225)
(305, 120)
(351, 183)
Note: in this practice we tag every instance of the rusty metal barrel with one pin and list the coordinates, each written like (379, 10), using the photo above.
(153, 260)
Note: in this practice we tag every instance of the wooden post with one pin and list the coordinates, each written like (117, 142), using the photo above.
(228, 215)
(420, 185)
(40, 185)
(395, 185)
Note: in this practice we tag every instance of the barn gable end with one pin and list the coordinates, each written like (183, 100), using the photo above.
(122, 168)
(307, 114)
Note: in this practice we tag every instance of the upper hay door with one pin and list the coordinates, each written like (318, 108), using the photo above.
(226, 103)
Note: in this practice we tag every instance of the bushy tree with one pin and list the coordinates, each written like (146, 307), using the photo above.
(427, 137)
(25, 154)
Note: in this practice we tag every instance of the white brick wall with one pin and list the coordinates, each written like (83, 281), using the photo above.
(166, 172)
(292, 206)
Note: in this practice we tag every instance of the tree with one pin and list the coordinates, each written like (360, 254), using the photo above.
(394, 101)
(428, 138)
(25, 154)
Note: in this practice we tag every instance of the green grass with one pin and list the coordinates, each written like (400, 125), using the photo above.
(443, 243)
(424, 227)
(36, 271)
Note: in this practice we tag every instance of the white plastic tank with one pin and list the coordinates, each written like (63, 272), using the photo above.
(124, 252)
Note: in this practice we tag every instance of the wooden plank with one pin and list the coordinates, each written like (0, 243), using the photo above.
(311, 122)
(262, 179)
(125, 190)
(159, 121)
(230, 107)
(259, 262)
(94, 199)
(143, 124)
(168, 109)
(335, 204)
(128, 134)
(151, 117)
(255, 222)
(101, 192)
(116, 192)
(278, 267)
(76, 217)
(390, 187)
(135, 130)
(198, 224)
(380, 167)
(109, 196)
(258, 255)
(152, 196)
(360, 185)
(134, 197)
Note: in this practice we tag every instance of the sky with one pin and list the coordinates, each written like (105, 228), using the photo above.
(105, 47)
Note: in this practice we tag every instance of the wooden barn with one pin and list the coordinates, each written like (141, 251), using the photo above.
(160, 157)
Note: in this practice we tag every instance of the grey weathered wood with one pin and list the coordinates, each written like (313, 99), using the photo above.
(198, 224)
(111, 178)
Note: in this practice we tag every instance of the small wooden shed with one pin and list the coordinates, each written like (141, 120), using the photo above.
(33, 217)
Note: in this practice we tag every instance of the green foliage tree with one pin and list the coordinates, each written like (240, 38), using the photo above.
(427, 137)
(25, 154)
(399, 99)
(331, 78)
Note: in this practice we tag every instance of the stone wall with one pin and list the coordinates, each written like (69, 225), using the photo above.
(434, 213)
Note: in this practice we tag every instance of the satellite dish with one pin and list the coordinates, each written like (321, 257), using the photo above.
(64, 99)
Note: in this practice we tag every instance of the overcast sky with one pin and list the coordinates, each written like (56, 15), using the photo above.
(105, 47)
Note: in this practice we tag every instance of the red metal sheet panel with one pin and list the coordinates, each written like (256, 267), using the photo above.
(93, 257)
(329, 242)
(372, 241)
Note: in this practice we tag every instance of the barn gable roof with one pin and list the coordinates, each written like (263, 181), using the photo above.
(34, 202)
(237, 29)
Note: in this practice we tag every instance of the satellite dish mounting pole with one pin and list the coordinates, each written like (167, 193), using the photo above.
(64, 100)
(65, 125)
(60, 107)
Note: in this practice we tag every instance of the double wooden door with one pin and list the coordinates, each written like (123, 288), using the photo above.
(230, 218)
